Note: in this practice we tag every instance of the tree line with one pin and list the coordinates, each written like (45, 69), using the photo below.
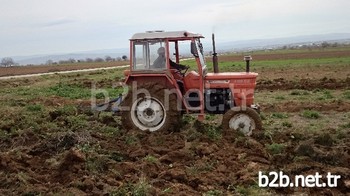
(88, 60)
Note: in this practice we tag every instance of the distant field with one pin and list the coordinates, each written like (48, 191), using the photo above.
(51, 144)
(22, 70)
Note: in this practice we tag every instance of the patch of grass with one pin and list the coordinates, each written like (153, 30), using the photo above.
(280, 97)
(212, 132)
(66, 110)
(76, 122)
(324, 139)
(199, 168)
(213, 193)
(69, 91)
(251, 190)
(279, 115)
(275, 148)
(96, 164)
(287, 124)
(34, 108)
(150, 158)
(110, 131)
(346, 94)
(326, 95)
(346, 126)
(299, 92)
(130, 140)
(210, 117)
(186, 119)
(141, 188)
(311, 114)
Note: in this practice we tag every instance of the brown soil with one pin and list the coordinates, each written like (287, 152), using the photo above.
(306, 84)
(294, 106)
(182, 163)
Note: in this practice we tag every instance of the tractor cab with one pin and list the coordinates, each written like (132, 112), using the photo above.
(157, 50)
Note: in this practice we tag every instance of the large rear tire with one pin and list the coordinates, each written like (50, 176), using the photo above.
(150, 112)
(247, 122)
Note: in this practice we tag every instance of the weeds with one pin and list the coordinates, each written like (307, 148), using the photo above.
(346, 126)
(311, 114)
(69, 91)
(130, 140)
(280, 97)
(212, 132)
(34, 108)
(142, 188)
(275, 148)
(287, 124)
(326, 95)
(299, 92)
(96, 164)
(346, 94)
(150, 159)
(279, 115)
(213, 193)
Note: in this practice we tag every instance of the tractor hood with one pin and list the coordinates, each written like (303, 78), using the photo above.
(230, 75)
(240, 80)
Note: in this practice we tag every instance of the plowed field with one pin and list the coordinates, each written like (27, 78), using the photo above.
(50, 144)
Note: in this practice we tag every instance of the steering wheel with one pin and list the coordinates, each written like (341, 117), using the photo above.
(183, 71)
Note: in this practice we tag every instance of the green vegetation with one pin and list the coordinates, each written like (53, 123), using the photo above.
(141, 188)
(346, 94)
(150, 158)
(311, 114)
(275, 148)
(34, 108)
(279, 115)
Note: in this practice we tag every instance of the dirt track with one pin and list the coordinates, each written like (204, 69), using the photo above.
(23, 70)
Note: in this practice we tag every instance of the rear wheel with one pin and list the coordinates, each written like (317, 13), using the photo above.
(245, 121)
(150, 112)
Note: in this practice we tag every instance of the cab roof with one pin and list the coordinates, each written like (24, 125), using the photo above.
(165, 35)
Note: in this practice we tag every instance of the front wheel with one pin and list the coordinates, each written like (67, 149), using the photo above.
(245, 121)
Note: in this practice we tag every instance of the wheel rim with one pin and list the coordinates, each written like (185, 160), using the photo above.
(148, 114)
(243, 123)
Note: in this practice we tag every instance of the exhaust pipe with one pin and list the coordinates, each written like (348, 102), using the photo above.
(247, 59)
(215, 57)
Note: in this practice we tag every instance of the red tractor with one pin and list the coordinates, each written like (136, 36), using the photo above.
(161, 90)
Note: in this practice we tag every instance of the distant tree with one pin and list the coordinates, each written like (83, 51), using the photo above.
(99, 59)
(324, 44)
(49, 62)
(89, 60)
(119, 58)
(124, 57)
(108, 58)
(335, 44)
(62, 62)
(71, 60)
(7, 61)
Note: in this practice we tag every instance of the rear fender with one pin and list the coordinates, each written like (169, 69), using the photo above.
(169, 82)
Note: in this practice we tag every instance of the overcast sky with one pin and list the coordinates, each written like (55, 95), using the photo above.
(30, 27)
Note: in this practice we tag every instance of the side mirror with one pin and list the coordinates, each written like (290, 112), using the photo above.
(194, 50)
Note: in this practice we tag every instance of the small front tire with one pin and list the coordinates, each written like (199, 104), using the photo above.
(245, 121)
